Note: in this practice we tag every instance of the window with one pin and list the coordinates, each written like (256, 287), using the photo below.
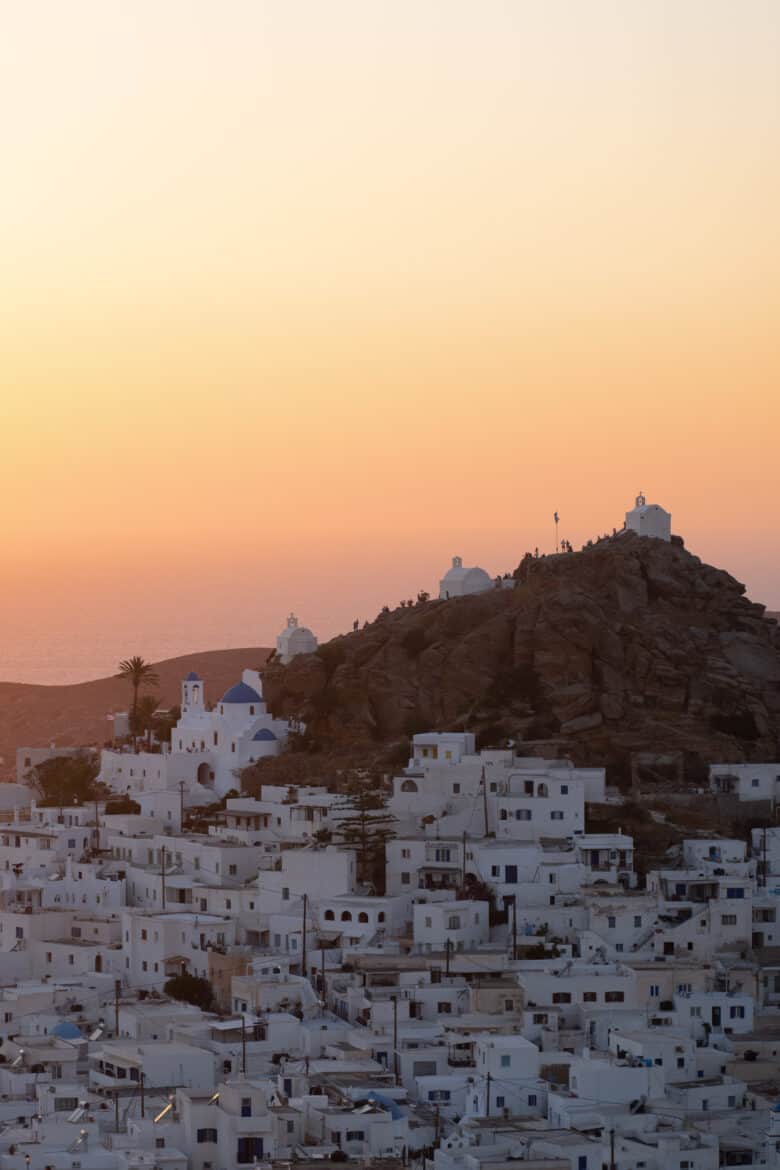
(754, 782)
(453, 922)
(357, 1135)
(346, 915)
(728, 920)
(532, 1098)
(506, 1060)
(564, 789)
(406, 854)
(428, 922)
(509, 1005)
(246, 1106)
(736, 1012)
(232, 870)
(561, 997)
(522, 814)
(582, 1162)
(65, 1104)
(444, 1008)
(285, 894)
(442, 855)
(329, 916)
(589, 997)
(614, 996)
(637, 920)
(735, 892)
(500, 1102)
(612, 922)
(456, 789)
(556, 815)
(405, 879)
(655, 990)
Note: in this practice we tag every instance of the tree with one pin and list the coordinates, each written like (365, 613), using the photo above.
(66, 780)
(139, 674)
(191, 989)
(362, 823)
(164, 723)
(144, 722)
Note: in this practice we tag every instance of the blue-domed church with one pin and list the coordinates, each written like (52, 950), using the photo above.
(210, 747)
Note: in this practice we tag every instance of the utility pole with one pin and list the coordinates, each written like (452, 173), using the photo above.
(514, 927)
(243, 1044)
(763, 858)
(116, 1110)
(162, 874)
(303, 949)
(484, 800)
(97, 826)
(395, 1036)
(117, 993)
(447, 950)
(463, 879)
(487, 1095)
(323, 985)
(555, 517)
(143, 1098)
(612, 1149)
(181, 806)
(438, 1124)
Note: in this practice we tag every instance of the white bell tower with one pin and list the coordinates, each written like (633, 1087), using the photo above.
(192, 694)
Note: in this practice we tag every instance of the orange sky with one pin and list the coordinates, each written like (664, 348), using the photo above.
(360, 284)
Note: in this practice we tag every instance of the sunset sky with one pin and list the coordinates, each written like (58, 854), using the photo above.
(301, 297)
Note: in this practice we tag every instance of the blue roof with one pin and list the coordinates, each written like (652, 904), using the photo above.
(192, 677)
(264, 733)
(241, 693)
(66, 1030)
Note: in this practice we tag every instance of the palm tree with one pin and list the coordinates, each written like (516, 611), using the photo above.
(139, 674)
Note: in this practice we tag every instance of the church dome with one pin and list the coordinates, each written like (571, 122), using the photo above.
(241, 693)
(193, 676)
(66, 1030)
(264, 735)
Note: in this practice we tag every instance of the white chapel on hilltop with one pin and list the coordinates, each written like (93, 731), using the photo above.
(460, 580)
(294, 639)
(649, 520)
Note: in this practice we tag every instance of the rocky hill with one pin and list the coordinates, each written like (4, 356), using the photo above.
(630, 645)
(33, 716)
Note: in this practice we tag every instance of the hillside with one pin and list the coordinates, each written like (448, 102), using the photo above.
(69, 715)
(632, 644)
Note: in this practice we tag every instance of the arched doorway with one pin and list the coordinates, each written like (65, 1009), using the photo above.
(205, 777)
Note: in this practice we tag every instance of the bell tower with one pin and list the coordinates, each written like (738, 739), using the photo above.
(192, 694)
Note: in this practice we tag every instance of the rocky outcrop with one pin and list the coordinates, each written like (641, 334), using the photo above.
(632, 644)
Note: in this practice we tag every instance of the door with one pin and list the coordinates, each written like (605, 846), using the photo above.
(510, 875)
(716, 1017)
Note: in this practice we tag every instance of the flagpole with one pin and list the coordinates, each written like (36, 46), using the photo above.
(556, 531)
